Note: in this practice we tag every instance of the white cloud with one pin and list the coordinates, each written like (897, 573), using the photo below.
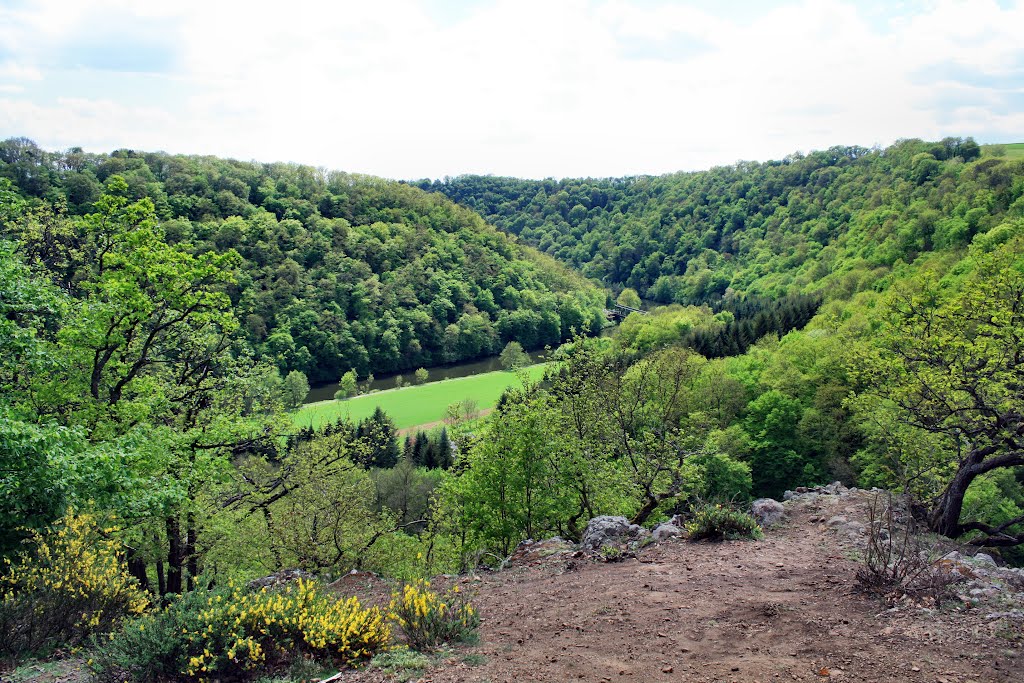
(536, 88)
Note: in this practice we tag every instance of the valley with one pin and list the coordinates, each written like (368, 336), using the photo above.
(850, 314)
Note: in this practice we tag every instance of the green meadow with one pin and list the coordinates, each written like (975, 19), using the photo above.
(417, 405)
(1012, 150)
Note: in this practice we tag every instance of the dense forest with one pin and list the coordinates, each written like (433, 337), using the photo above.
(851, 314)
(336, 271)
(832, 220)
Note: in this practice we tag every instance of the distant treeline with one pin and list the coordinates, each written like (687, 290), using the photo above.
(831, 221)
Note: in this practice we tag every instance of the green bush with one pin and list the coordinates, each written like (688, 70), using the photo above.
(718, 522)
(232, 633)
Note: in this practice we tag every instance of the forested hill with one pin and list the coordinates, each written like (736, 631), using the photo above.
(338, 271)
(832, 220)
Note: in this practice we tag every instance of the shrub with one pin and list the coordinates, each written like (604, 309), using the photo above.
(897, 563)
(428, 619)
(231, 633)
(718, 522)
(69, 583)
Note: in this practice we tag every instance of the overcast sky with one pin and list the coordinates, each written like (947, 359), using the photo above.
(531, 88)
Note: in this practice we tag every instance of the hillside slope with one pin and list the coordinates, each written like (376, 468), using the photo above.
(338, 271)
(783, 608)
(834, 220)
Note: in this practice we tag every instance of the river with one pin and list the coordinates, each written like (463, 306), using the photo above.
(473, 367)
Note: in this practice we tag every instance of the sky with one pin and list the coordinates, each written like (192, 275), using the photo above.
(531, 88)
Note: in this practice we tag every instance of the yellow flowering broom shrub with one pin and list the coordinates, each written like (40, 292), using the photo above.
(69, 582)
(428, 619)
(232, 633)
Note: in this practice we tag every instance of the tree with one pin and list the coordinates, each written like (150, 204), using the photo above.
(629, 298)
(513, 356)
(421, 375)
(771, 422)
(149, 349)
(950, 368)
(347, 385)
(510, 489)
(295, 388)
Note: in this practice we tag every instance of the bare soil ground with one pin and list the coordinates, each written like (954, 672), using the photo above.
(779, 609)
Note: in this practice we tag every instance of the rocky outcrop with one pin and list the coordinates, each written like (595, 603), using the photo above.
(664, 532)
(767, 511)
(531, 553)
(608, 530)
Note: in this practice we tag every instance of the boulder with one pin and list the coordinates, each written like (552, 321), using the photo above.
(663, 532)
(985, 560)
(605, 530)
(836, 522)
(767, 511)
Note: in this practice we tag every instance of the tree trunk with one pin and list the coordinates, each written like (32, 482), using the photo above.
(650, 505)
(137, 568)
(191, 556)
(175, 556)
(161, 580)
(944, 518)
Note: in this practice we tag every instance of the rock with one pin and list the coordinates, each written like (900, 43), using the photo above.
(985, 560)
(663, 532)
(834, 489)
(788, 495)
(535, 552)
(836, 522)
(605, 530)
(767, 511)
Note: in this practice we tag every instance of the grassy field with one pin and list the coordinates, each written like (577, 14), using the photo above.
(1014, 150)
(416, 405)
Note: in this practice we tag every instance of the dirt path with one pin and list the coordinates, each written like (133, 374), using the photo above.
(775, 610)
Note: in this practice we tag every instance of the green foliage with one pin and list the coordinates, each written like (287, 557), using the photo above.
(717, 522)
(348, 385)
(945, 372)
(233, 633)
(513, 356)
(628, 298)
(335, 271)
(830, 221)
(772, 422)
(428, 619)
(722, 478)
(296, 388)
(511, 482)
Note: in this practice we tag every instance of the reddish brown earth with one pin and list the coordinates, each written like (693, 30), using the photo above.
(779, 609)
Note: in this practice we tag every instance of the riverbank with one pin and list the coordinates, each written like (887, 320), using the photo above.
(439, 373)
(421, 404)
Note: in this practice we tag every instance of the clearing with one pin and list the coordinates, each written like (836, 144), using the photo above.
(780, 609)
(1014, 150)
(417, 405)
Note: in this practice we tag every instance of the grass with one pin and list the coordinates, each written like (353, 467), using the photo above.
(1013, 150)
(401, 663)
(416, 405)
